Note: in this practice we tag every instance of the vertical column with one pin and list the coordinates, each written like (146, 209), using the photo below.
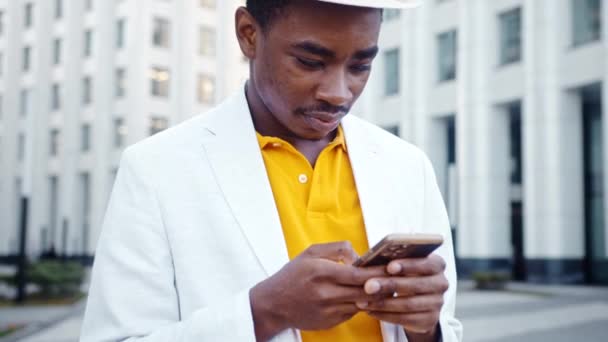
(72, 65)
(422, 74)
(483, 220)
(104, 100)
(467, 232)
(38, 130)
(9, 195)
(553, 217)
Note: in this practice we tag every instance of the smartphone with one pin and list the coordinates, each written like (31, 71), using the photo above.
(400, 246)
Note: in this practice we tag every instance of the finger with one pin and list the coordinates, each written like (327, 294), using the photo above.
(407, 286)
(341, 251)
(331, 295)
(420, 322)
(414, 304)
(341, 309)
(433, 264)
(351, 275)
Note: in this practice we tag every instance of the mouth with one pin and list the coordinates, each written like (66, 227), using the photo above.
(323, 121)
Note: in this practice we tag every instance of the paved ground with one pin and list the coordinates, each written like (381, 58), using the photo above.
(529, 313)
(524, 313)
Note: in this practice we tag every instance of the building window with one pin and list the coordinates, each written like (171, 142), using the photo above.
(208, 3)
(391, 14)
(391, 72)
(87, 90)
(160, 33)
(120, 132)
(88, 5)
(1, 22)
(121, 79)
(58, 9)
(207, 41)
(85, 137)
(24, 102)
(27, 55)
(120, 33)
(54, 142)
(206, 89)
(510, 36)
(88, 43)
(28, 15)
(56, 51)
(55, 96)
(21, 147)
(158, 124)
(159, 81)
(515, 142)
(446, 55)
(586, 21)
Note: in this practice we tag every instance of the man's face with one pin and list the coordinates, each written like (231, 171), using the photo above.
(312, 64)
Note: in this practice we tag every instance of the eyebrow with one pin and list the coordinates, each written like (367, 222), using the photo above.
(316, 49)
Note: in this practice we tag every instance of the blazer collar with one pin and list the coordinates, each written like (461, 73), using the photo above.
(233, 151)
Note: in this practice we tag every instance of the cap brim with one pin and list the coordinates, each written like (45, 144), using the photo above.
(377, 3)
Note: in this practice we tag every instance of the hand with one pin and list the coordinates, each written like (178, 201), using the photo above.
(316, 290)
(413, 294)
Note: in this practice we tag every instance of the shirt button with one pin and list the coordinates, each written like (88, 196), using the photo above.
(303, 178)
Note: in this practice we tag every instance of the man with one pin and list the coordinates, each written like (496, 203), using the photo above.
(242, 223)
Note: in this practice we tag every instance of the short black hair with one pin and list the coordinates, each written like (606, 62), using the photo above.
(264, 11)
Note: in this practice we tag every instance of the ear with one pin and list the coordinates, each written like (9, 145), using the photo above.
(247, 31)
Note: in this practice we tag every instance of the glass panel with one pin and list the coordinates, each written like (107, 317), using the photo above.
(391, 70)
(510, 36)
(207, 41)
(447, 55)
(594, 184)
(586, 21)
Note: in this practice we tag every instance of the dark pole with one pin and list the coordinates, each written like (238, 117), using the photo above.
(22, 260)
(64, 239)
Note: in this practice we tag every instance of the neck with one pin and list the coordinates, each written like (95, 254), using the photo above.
(266, 124)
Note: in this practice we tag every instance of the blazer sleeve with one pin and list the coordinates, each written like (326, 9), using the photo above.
(436, 219)
(132, 295)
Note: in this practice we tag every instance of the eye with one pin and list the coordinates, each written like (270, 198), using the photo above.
(310, 63)
(360, 68)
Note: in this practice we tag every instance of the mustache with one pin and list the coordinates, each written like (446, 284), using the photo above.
(322, 107)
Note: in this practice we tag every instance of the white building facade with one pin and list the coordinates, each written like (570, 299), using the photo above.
(82, 79)
(508, 97)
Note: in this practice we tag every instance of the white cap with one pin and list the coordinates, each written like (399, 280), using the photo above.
(377, 3)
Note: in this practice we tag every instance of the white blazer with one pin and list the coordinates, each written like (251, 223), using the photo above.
(192, 225)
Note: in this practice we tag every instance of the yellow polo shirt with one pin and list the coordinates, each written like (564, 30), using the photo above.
(319, 205)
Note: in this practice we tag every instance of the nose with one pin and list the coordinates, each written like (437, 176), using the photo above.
(335, 89)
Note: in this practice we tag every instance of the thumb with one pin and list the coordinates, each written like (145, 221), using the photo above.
(341, 251)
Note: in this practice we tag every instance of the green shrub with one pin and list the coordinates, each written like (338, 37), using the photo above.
(55, 278)
(494, 280)
(7, 279)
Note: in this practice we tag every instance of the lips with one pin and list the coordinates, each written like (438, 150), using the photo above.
(323, 121)
(325, 117)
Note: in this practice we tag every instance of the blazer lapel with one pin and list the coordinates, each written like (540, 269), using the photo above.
(232, 149)
(374, 191)
(380, 214)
